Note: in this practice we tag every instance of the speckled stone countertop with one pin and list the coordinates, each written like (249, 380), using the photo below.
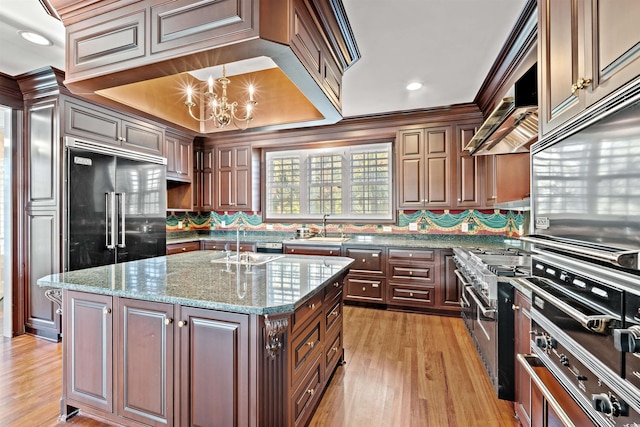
(191, 279)
(436, 241)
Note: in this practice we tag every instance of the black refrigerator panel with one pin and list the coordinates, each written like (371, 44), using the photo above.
(91, 180)
(141, 205)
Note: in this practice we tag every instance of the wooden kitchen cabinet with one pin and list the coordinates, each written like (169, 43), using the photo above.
(424, 167)
(202, 184)
(237, 179)
(228, 245)
(522, 343)
(450, 291)
(583, 54)
(467, 170)
(179, 152)
(366, 281)
(94, 123)
(311, 249)
(507, 178)
(177, 248)
(412, 277)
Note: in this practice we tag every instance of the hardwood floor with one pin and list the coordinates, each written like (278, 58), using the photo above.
(401, 369)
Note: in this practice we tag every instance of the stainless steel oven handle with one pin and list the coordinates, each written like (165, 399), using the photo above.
(486, 312)
(598, 323)
(524, 360)
(464, 302)
(461, 278)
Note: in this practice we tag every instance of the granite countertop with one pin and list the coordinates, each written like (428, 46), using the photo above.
(191, 279)
(435, 241)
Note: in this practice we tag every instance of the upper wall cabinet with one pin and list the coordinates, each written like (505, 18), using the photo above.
(179, 152)
(237, 179)
(588, 49)
(98, 124)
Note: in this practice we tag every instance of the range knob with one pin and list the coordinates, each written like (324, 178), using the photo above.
(545, 341)
(627, 340)
(608, 405)
(564, 360)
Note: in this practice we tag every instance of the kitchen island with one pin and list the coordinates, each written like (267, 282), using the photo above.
(199, 339)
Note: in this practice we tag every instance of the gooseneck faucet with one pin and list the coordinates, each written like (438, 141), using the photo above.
(238, 228)
(324, 225)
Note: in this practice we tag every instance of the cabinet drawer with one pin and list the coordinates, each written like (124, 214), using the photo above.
(308, 310)
(366, 260)
(176, 248)
(333, 353)
(364, 289)
(228, 246)
(413, 296)
(412, 254)
(333, 314)
(307, 393)
(312, 250)
(423, 272)
(305, 347)
(332, 290)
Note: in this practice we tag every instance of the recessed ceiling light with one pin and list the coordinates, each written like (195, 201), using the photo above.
(414, 86)
(35, 38)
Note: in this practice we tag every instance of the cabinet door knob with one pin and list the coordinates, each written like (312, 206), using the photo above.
(184, 249)
(411, 273)
(107, 310)
(364, 260)
(311, 344)
(330, 252)
(168, 321)
(334, 313)
(459, 200)
(293, 250)
(410, 294)
(364, 288)
(336, 285)
(515, 307)
(311, 391)
(334, 349)
(182, 323)
(311, 306)
(582, 83)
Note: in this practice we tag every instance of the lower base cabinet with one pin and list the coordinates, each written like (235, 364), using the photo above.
(135, 362)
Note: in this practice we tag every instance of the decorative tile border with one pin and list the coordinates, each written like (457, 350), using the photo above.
(479, 222)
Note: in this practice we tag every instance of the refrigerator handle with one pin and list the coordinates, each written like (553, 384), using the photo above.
(122, 216)
(109, 213)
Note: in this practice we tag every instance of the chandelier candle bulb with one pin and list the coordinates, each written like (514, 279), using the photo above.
(189, 93)
(210, 83)
(251, 90)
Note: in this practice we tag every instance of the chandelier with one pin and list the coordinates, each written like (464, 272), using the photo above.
(222, 112)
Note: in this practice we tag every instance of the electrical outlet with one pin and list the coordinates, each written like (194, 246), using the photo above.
(223, 223)
(386, 229)
(464, 227)
(413, 226)
(269, 226)
(180, 225)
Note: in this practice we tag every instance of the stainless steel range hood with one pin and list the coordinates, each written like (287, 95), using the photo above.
(513, 126)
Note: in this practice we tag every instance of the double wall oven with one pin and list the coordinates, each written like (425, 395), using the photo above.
(486, 306)
(585, 278)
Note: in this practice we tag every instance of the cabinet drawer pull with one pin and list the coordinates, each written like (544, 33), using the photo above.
(311, 306)
(293, 250)
(182, 323)
(107, 310)
(410, 294)
(184, 249)
(334, 313)
(410, 273)
(364, 260)
(330, 252)
(410, 255)
(311, 344)
(515, 307)
(364, 289)
(311, 391)
(334, 349)
(336, 285)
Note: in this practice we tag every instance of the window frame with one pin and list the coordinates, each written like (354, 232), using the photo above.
(305, 152)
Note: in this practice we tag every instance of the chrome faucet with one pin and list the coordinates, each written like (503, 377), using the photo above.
(240, 227)
(324, 225)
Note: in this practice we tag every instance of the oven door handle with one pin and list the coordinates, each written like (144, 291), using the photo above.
(527, 360)
(464, 302)
(461, 278)
(598, 323)
(486, 312)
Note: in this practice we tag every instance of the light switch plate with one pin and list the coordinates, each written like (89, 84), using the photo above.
(269, 226)
(179, 225)
(386, 229)
(464, 227)
(413, 226)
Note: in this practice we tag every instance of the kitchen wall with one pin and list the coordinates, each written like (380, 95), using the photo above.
(478, 222)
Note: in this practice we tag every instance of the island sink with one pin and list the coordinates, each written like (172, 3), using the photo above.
(247, 258)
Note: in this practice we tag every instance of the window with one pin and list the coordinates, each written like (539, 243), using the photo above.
(346, 182)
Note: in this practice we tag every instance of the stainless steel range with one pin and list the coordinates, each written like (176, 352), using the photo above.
(486, 303)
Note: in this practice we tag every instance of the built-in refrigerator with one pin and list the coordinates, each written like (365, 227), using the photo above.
(115, 205)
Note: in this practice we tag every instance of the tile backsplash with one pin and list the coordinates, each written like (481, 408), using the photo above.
(467, 222)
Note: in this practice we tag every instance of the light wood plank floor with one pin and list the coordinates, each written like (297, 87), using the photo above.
(401, 369)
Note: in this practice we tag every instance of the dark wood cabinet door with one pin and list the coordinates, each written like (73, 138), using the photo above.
(42, 259)
(411, 169)
(89, 350)
(561, 43)
(179, 154)
(214, 368)
(512, 177)
(449, 290)
(438, 167)
(489, 174)
(467, 170)
(522, 342)
(43, 154)
(206, 181)
(142, 138)
(85, 121)
(145, 361)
